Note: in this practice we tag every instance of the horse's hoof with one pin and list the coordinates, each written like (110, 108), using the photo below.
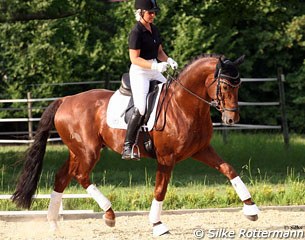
(109, 222)
(160, 229)
(53, 226)
(252, 217)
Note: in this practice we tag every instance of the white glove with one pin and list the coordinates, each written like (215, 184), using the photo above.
(172, 63)
(160, 67)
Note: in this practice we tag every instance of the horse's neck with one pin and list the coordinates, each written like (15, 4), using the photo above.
(191, 88)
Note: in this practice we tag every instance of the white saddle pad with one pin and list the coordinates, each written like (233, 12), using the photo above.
(117, 106)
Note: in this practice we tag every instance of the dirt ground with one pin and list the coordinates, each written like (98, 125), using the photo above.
(215, 225)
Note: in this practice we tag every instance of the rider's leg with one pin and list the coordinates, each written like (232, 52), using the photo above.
(132, 130)
(139, 81)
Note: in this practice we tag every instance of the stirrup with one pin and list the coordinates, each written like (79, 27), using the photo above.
(131, 153)
(135, 155)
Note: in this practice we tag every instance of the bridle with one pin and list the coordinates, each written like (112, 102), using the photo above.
(217, 103)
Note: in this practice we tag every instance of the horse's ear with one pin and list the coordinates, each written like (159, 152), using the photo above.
(221, 59)
(239, 60)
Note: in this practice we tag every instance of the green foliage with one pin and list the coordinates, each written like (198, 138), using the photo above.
(45, 43)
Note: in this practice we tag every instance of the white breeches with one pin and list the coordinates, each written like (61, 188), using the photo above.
(139, 82)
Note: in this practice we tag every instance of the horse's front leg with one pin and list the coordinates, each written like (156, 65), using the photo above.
(211, 158)
(162, 179)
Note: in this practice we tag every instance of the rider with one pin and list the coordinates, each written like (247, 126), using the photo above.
(148, 61)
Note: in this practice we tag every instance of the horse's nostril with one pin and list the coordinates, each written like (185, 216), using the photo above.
(230, 121)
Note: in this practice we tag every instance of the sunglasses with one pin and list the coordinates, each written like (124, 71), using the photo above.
(151, 12)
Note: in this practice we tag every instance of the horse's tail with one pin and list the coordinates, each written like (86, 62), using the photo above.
(28, 180)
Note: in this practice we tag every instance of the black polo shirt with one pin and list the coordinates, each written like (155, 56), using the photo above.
(147, 42)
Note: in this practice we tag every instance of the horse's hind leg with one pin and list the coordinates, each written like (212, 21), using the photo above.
(83, 164)
(62, 179)
(80, 170)
(211, 158)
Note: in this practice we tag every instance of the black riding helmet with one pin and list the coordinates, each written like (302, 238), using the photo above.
(148, 5)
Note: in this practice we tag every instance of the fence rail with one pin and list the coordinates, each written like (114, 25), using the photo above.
(217, 126)
(48, 196)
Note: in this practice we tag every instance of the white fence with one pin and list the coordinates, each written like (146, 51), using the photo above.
(47, 196)
(217, 126)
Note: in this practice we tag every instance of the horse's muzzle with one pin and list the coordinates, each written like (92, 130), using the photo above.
(230, 118)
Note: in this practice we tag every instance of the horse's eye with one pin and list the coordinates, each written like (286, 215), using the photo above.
(225, 88)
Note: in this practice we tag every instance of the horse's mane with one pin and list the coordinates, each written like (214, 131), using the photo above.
(201, 56)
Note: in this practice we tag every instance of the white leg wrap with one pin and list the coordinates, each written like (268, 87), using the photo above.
(250, 210)
(54, 206)
(240, 188)
(155, 211)
(102, 201)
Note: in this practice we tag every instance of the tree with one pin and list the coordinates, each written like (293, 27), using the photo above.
(87, 40)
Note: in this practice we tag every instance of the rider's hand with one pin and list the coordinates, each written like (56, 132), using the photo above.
(172, 63)
(160, 67)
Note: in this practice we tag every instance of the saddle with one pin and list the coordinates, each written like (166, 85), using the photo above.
(125, 89)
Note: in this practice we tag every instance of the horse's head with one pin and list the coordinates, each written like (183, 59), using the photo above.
(223, 89)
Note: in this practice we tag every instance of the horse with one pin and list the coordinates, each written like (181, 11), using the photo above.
(182, 130)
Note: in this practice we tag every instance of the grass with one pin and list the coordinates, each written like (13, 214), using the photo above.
(275, 175)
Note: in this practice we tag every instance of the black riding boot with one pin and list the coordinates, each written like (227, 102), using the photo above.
(131, 134)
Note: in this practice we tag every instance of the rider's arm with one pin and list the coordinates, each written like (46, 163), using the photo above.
(162, 55)
(134, 55)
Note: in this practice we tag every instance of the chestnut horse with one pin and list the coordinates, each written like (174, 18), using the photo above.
(183, 130)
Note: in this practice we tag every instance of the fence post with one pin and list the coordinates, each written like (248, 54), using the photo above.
(281, 79)
(106, 85)
(30, 116)
(225, 136)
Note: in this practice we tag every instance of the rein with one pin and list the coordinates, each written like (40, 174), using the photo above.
(214, 103)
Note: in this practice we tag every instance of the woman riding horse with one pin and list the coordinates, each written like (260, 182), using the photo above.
(145, 47)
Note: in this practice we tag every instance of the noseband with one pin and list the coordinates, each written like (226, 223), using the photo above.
(223, 78)
(217, 103)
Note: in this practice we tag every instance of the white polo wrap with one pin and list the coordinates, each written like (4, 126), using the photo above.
(250, 210)
(155, 211)
(159, 230)
(54, 206)
(240, 188)
(102, 201)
